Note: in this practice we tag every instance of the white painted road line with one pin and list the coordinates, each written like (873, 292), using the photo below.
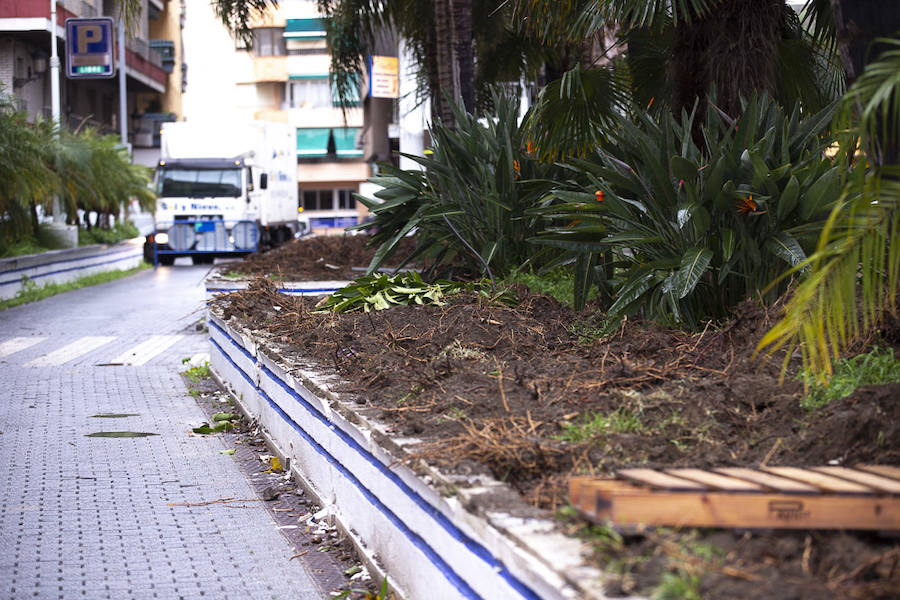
(145, 351)
(17, 344)
(71, 351)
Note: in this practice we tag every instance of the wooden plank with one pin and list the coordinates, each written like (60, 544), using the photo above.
(659, 480)
(594, 494)
(774, 482)
(883, 470)
(576, 485)
(637, 507)
(716, 481)
(820, 480)
(882, 484)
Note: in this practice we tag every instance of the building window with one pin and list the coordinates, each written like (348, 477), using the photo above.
(268, 41)
(317, 200)
(346, 200)
(312, 92)
(329, 199)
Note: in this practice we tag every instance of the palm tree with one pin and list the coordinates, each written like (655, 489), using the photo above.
(26, 179)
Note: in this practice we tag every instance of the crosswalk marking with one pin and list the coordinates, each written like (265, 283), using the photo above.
(17, 344)
(71, 351)
(146, 350)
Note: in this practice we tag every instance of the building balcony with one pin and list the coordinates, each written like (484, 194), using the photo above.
(269, 69)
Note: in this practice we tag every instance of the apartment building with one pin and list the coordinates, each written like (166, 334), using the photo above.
(282, 75)
(154, 73)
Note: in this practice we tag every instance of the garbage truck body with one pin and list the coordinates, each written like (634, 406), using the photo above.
(223, 190)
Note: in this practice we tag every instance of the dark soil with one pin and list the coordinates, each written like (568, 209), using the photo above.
(313, 258)
(508, 390)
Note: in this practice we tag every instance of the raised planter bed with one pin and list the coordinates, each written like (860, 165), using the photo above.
(63, 266)
(434, 534)
(527, 395)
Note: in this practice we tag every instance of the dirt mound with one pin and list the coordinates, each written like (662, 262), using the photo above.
(313, 258)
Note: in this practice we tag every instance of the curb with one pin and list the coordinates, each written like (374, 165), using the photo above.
(63, 266)
(435, 535)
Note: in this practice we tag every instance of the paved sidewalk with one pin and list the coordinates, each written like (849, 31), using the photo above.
(90, 517)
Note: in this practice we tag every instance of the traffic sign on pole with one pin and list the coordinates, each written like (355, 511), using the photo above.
(89, 48)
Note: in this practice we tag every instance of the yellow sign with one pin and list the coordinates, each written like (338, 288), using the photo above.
(384, 77)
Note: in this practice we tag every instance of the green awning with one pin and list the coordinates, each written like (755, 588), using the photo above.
(309, 29)
(308, 76)
(312, 142)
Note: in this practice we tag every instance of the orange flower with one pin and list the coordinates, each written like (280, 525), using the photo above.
(745, 206)
(530, 147)
(599, 195)
(516, 167)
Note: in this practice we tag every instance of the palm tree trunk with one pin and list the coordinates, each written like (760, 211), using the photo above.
(732, 51)
(445, 62)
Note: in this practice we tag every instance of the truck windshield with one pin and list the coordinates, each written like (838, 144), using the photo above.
(199, 183)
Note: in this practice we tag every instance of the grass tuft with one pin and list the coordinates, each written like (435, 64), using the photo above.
(557, 283)
(598, 425)
(198, 373)
(876, 367)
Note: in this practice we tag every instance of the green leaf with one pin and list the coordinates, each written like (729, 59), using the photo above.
(694, 264)
(786, 247)
(683, 168)
(205, 429)
(229, 452)
(788, 200)
(223, 416)
(821, 195)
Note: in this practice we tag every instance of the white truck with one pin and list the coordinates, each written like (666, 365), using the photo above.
(223, 190)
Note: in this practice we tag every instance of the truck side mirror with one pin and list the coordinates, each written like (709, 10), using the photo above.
(263, 181)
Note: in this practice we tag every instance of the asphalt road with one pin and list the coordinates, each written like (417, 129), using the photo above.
(99, 517)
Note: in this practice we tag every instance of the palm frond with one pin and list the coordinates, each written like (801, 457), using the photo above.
(830, 309)
(853, 275)
(654, 13)
(577, 112)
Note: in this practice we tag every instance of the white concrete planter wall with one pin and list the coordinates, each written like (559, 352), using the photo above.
(432, 545)
(222, 285)
(63, 266)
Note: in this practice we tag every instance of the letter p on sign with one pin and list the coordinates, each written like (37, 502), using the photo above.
(88, 34)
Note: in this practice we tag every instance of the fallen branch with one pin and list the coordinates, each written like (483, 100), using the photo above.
(217, 501)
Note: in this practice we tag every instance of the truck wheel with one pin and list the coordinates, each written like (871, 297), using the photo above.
(165, 260)
(203, 259)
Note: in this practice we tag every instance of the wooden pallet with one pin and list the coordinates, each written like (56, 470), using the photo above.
(864, 497)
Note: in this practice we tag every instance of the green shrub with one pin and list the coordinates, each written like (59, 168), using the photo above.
(115, 234)
(469, 208)
(682, 231)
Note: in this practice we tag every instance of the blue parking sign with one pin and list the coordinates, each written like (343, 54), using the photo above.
(89, 48)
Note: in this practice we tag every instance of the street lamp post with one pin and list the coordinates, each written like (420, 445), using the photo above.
(67, 235)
